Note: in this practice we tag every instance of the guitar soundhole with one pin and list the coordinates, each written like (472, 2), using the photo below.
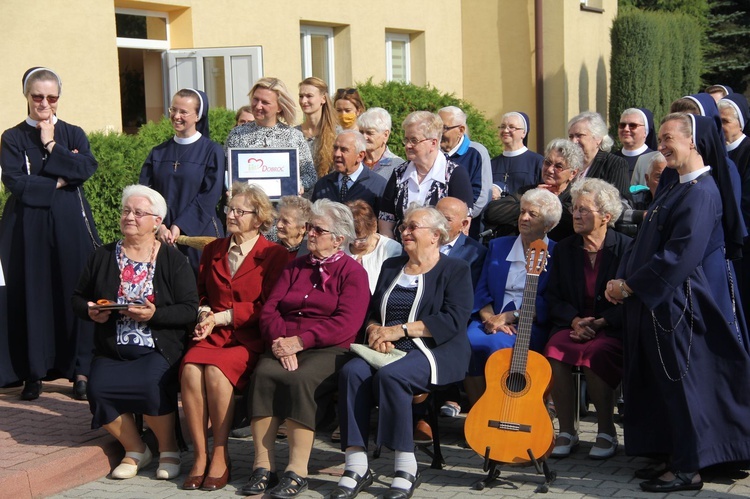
(515, 383)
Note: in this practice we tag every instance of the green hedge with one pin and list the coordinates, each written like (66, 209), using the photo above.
(656, 58)
(121, 156)
(400, 99)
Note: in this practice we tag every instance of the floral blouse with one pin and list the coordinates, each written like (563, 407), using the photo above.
(136, 285)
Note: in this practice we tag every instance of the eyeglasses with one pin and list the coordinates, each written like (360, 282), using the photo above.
(412, 142)
(632, 126)
(239, 213)
(411, 227)
(50, 98)
(361, 240)
(319, 231)
(138, 214)
(581, 211)
(510, 128)
(449, 128)
(173, 111)
(558, 166)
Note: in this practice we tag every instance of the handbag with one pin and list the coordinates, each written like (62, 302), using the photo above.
(374, 358)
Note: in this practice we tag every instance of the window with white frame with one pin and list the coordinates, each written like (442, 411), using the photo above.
(316, 50)
(225, 74)
(397, 57)
(142, 29)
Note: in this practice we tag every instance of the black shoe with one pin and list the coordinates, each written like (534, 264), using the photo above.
(261, 480)
(348, 493)
(651, 472)
(398, 493)
(290, 485)
(31, 390)
(681, 481)
(79, 390)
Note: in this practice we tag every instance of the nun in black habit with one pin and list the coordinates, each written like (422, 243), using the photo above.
(46, 236)
(686, 348)
(188, 170)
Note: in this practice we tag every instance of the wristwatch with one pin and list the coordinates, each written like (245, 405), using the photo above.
(406, 331)
(623, 291)
(516, 315)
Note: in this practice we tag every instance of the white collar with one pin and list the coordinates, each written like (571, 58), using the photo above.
(634, 152)
(34, 123)
(189, 140)
(517, 152)
(458, 146)
(452, 243)
(437, 172)
(516, 253)
(689, 177)
(734, 145)
(353, 176)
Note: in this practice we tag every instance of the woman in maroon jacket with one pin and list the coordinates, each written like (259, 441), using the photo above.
(312, 316)
(235, 278)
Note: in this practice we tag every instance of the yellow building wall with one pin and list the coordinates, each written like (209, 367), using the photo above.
(75, 38)
(81, 44)
(499, 60)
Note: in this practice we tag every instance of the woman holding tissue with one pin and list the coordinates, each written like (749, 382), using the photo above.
(46, 235)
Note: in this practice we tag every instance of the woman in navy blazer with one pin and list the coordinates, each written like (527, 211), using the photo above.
(497, 299)
(421, 305)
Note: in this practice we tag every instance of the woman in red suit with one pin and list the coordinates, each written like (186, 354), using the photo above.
(235, 277)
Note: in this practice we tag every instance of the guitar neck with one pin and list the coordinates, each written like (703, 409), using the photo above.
(523, 330)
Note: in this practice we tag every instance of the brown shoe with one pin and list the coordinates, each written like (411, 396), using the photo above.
(422, 432)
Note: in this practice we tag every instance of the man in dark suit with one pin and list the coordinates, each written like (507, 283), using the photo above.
(459, 245)
(351, 180)
(465, 248)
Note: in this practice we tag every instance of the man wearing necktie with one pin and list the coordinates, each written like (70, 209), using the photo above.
(350, 180)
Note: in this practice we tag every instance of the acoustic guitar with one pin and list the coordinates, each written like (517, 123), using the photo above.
(510, 423)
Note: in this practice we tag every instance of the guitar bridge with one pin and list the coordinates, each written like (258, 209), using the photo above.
(504, 425)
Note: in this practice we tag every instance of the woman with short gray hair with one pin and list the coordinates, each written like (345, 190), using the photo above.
(313, 314)
(375, 125)
(589, 131)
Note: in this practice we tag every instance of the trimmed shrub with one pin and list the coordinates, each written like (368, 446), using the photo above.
(400, 99)
(656, 58)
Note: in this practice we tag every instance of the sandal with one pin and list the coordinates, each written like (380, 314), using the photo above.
(399, 493)
(167, 470)
(290, 485)
(127, 470)
(681, 481)
(261, 480)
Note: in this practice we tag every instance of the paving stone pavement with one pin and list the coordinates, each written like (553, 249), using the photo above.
(577, 476)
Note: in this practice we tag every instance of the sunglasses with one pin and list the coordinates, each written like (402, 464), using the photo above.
(319, 231)
(632, 126)
(50, 98)
(346, 91)
(411, 227)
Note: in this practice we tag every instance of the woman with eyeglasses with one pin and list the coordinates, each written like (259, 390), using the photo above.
(586, 328)
(236, 276)
(313, 314)
(290, 228)
(349, 105)
(421, 305)
(319, 127)
(517, 166)
(369, 248)
(275, 113)
(188, 170)
(46, 234)
(140, 294)
(426, 177)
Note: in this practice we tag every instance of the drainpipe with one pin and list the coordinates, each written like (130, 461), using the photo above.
(539, 74)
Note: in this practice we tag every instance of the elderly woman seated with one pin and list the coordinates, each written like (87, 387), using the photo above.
(291, 225)
(140, 335)
(235, 278)
(586, 328)
(312, 316)
(421, 306)
(375, 124)
(369, 248)
(499, 292)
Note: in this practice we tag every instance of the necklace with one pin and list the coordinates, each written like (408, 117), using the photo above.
(132, 287)
(179, 156)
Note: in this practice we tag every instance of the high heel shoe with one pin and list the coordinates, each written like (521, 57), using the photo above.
(195, 482)
(216, 483)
